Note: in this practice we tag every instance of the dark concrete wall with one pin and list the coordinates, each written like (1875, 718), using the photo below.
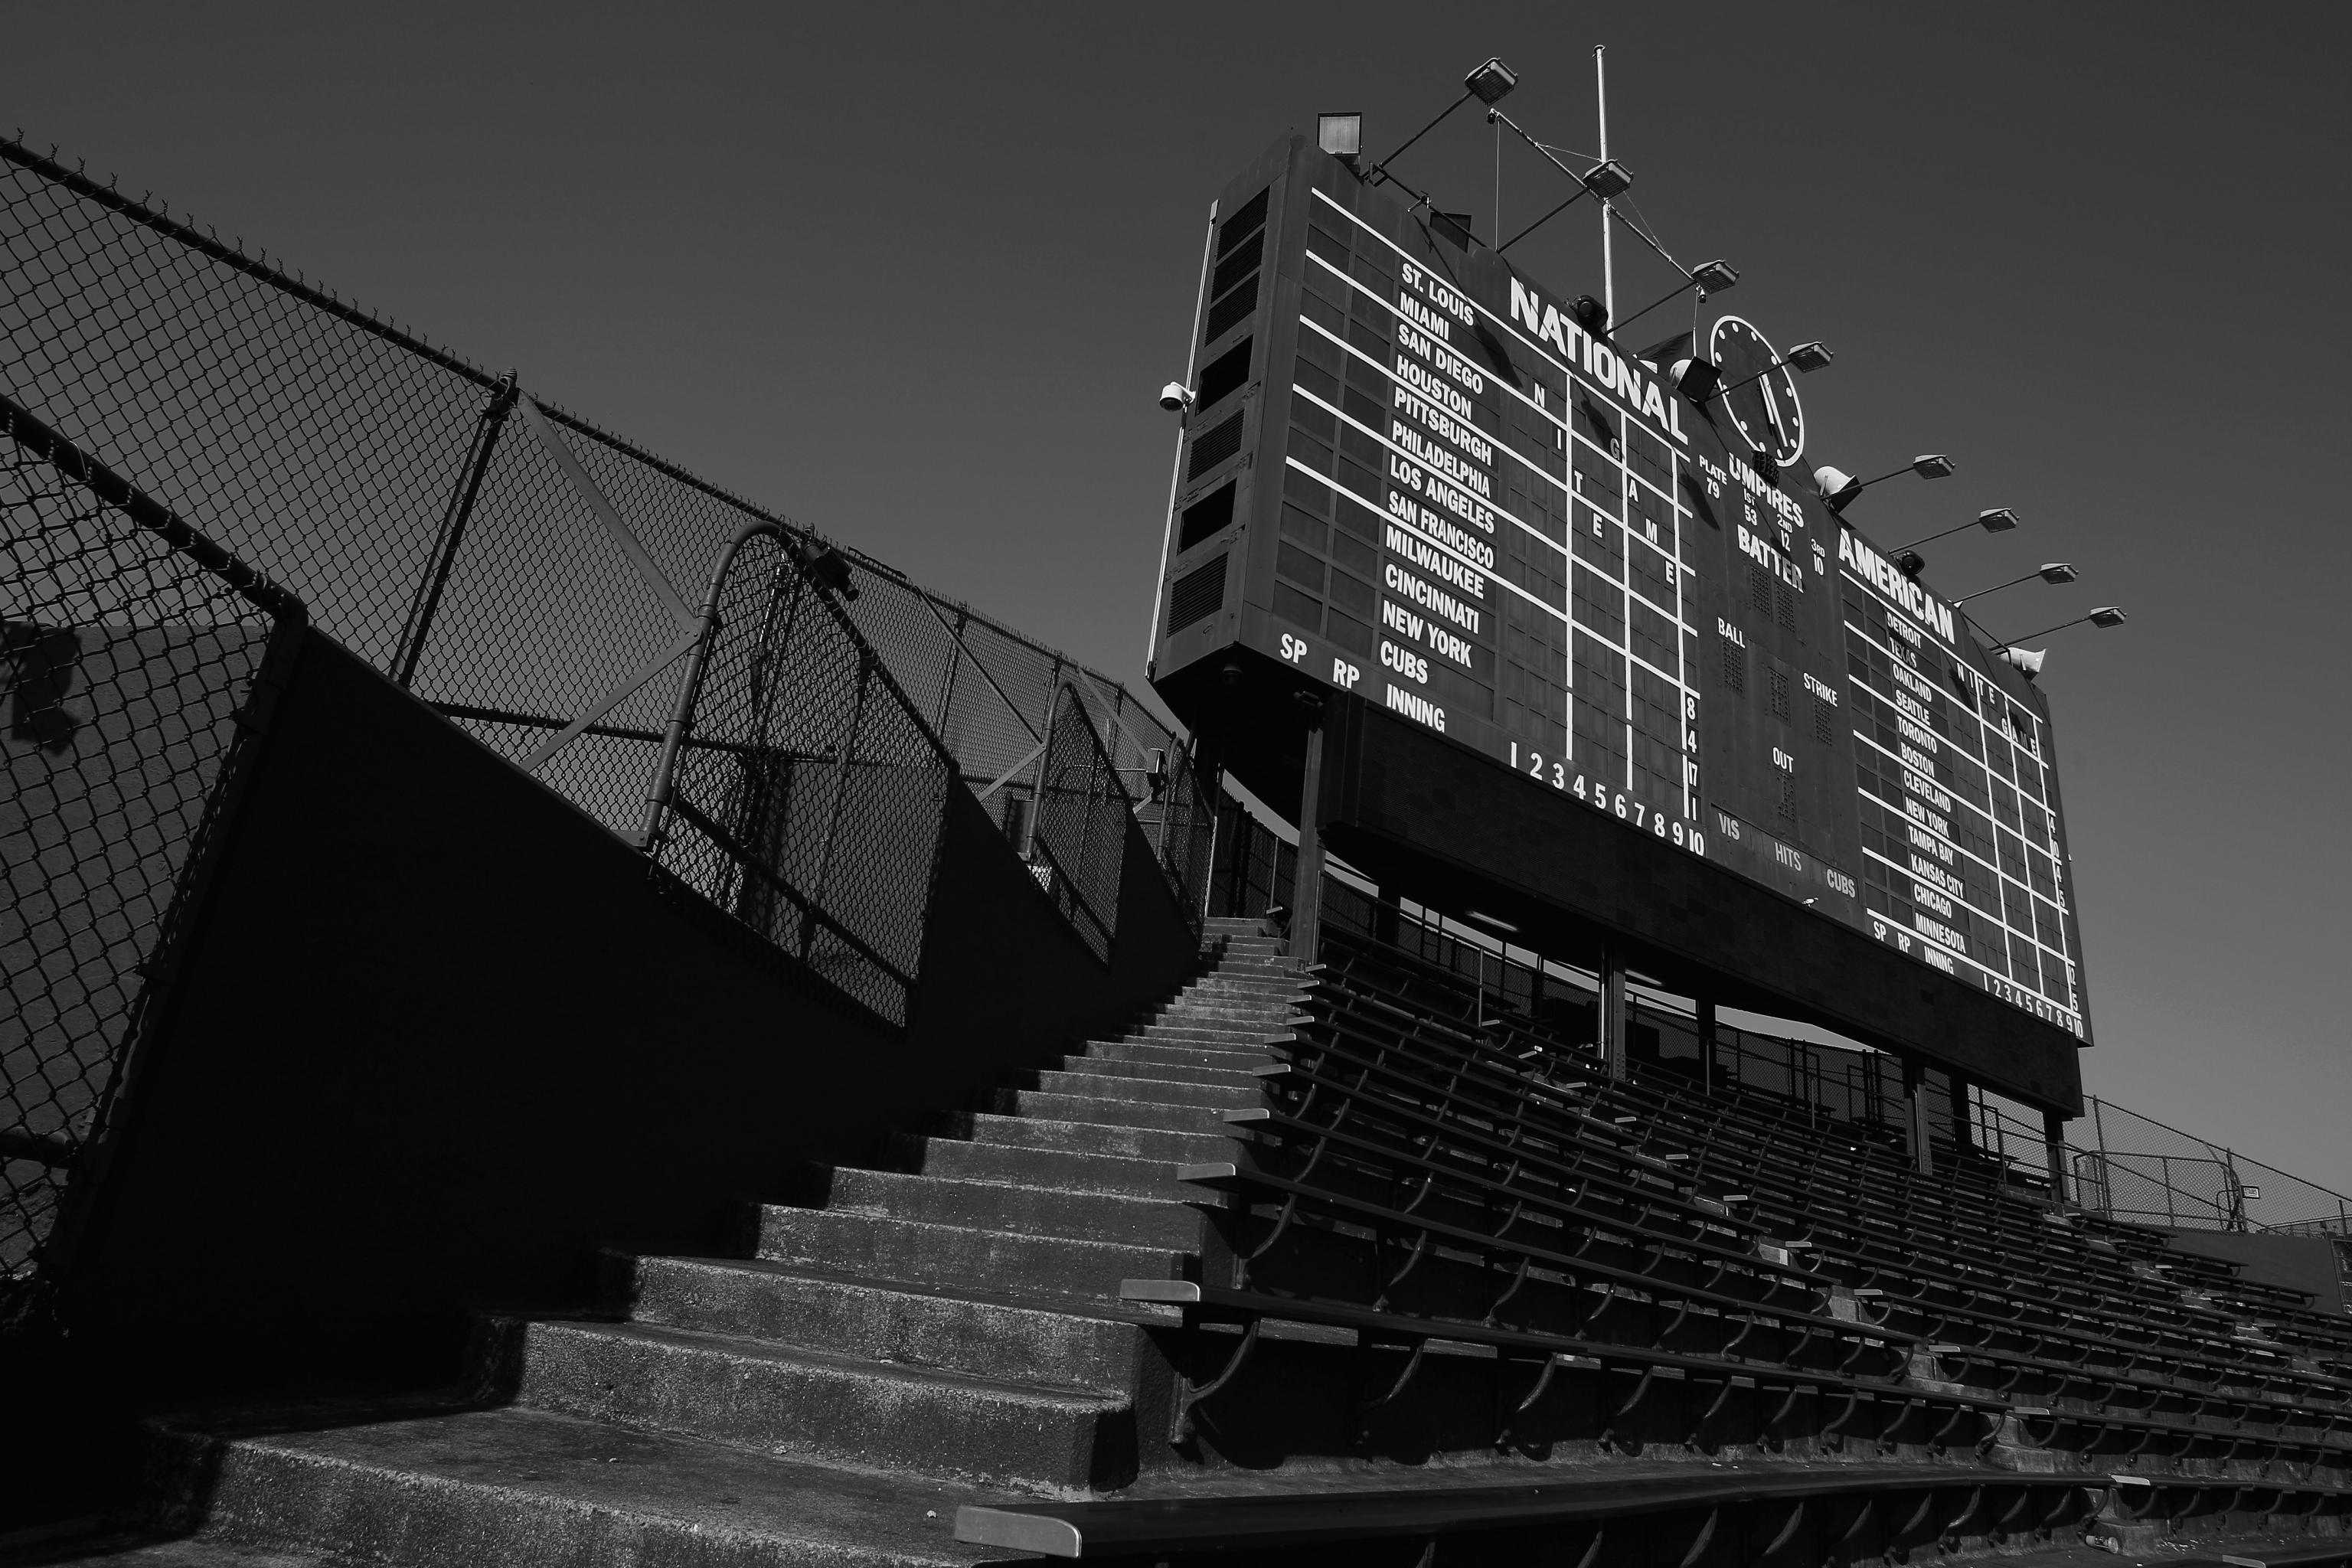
(2297, 1262)
(438, 1034)
(1434, 821)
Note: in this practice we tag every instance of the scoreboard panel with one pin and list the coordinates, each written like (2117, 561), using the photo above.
(1412, 477)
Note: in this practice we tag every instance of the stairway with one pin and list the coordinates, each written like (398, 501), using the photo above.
(900, 1342)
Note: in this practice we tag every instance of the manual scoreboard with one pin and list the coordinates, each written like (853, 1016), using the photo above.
(1409, 475)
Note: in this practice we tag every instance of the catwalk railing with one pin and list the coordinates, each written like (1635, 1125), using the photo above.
(2119, 1163)
(510, 563)
(140, 659)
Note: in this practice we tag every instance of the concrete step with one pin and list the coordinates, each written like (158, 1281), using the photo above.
(1238, 1075)
(530, 1490)
(1246, 983)
(813, 1406)
(1193, 1010)
(1180, 1055)
(914, 1252)
(1154, 1091)
(1002, 1336)
(109, 1546)
(1100, 1138)
(1115, 1111)
(1069, 1170)
(1021, 1210)
(1219, 1036)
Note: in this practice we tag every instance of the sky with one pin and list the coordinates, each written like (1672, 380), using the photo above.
(914, 275)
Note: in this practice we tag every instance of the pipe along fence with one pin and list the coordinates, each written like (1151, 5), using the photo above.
(786, 751)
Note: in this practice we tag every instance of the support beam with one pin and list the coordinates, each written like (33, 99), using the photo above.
(1915, 1095)
(2053, 1141)
(1963, 1117)
(1307, 886)
(1613, 1041)
(1707, 1046)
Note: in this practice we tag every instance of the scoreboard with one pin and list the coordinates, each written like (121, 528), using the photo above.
(1412, 476)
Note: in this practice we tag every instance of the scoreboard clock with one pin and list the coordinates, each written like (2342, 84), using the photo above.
(1593, 624)
(1760, 400)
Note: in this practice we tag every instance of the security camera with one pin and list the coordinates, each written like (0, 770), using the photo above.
(1175, 396)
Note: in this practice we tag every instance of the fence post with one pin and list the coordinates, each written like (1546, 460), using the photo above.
(1307, 882)
(865, 669)
(1706, 1047)
(1915, 1098)
(419, 624)
(2054, 1146)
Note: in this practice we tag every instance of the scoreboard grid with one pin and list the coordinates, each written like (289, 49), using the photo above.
(1412, 477)
(1578, 563)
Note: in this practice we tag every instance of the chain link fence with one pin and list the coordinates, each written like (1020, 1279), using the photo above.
(509, 563)
(135, 660)
(807, 798)
(1079, 840)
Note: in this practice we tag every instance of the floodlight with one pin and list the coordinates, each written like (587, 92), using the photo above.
(1837, 487)
(1609, 178)
(2048, 572)
(1992, 520)
(1810, 357)
(1341, 135)
(1912, 562)
(1176, 397)
(1492, 81)
(1591, 314)
(1714, 277)
(1488, 83)
(1707, 278)
(1695, 379)
(2025, 661)
(2105, 619)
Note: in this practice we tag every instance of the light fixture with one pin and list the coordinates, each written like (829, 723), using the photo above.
(1992, 520)
(1591, 314)
(2107, 618)
(1341, 135)
(1806, 357)
(1714, 277)
(1488, 83)
(1912, 562)
(2049, 571)
(1492, 81)
(1838, 487)
(1695, 379)
(1608, 178)
(1707, 278)
(1176, 397)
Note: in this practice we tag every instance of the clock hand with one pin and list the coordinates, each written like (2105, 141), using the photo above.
(1773, 415)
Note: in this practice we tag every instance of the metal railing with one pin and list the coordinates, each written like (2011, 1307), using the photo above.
(139, 661)
(2119, 1163)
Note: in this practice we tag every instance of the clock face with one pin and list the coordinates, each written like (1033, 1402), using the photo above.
(1765, 411)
